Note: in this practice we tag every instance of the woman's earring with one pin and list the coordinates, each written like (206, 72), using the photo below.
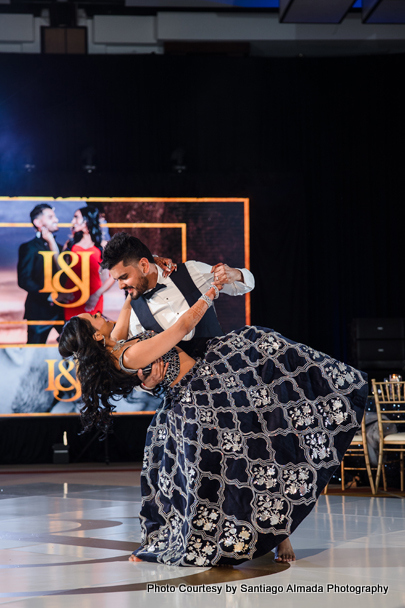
(104, 341)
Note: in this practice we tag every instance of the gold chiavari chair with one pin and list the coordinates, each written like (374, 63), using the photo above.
(358, 447)
(390, 403)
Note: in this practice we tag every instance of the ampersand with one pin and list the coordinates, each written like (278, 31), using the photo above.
(54, 384)
(53, 285)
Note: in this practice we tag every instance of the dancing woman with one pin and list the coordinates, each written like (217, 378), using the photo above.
(247, 438)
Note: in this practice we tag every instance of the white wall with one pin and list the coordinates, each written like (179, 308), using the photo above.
(147, 34)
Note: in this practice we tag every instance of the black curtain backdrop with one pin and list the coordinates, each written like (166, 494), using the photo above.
(317, 145)
(32, 439)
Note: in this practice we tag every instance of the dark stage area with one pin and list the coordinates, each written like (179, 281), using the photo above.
(316, 145)
(31, 439)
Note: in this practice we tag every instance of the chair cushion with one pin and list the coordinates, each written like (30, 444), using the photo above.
(357, 439)
(395, 438)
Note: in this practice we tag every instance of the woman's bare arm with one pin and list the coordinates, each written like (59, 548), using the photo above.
(139, 355)
(120, 331)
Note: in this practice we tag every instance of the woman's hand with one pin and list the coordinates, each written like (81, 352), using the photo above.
(48, 237)
(121, 328)
(128, 300)
(166, 264)
(156, 376)
(212, 292)
(65, 298)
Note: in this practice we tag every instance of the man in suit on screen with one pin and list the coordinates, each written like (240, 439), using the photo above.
(30, 269)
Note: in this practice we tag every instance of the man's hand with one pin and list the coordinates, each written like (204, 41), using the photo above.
(224, 274)
(156, 376)
(65, 298)
(166, 264)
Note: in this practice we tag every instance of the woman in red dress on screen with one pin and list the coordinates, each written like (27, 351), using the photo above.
(87, 237)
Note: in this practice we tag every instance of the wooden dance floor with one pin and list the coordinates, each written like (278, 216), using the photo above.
(66, 534)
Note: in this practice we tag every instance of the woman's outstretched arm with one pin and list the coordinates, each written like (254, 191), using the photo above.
(120, 331)
(141, 354)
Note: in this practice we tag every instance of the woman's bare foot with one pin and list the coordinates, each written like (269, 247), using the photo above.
(133, 558)
(285, 552)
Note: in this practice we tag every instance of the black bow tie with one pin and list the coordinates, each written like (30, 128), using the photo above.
(150, 293)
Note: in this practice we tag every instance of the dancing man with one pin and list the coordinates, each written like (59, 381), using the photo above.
(158, 300)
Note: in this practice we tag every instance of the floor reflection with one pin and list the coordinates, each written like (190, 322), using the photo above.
(70, 535)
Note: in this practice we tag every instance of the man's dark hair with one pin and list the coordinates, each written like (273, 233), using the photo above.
(124, 248)
(37, 210)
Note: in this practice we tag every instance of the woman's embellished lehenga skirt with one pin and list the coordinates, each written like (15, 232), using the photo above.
(242, 448)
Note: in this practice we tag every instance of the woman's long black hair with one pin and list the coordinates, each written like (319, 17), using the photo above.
(92, 218)
(102, 383)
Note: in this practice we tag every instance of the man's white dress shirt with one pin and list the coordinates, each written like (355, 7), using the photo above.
(168, 304)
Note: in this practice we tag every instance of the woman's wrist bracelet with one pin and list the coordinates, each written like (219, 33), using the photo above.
(145, 388)
(215, 288)
(206, 299)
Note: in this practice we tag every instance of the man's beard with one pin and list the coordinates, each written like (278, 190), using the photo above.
(141, 287)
